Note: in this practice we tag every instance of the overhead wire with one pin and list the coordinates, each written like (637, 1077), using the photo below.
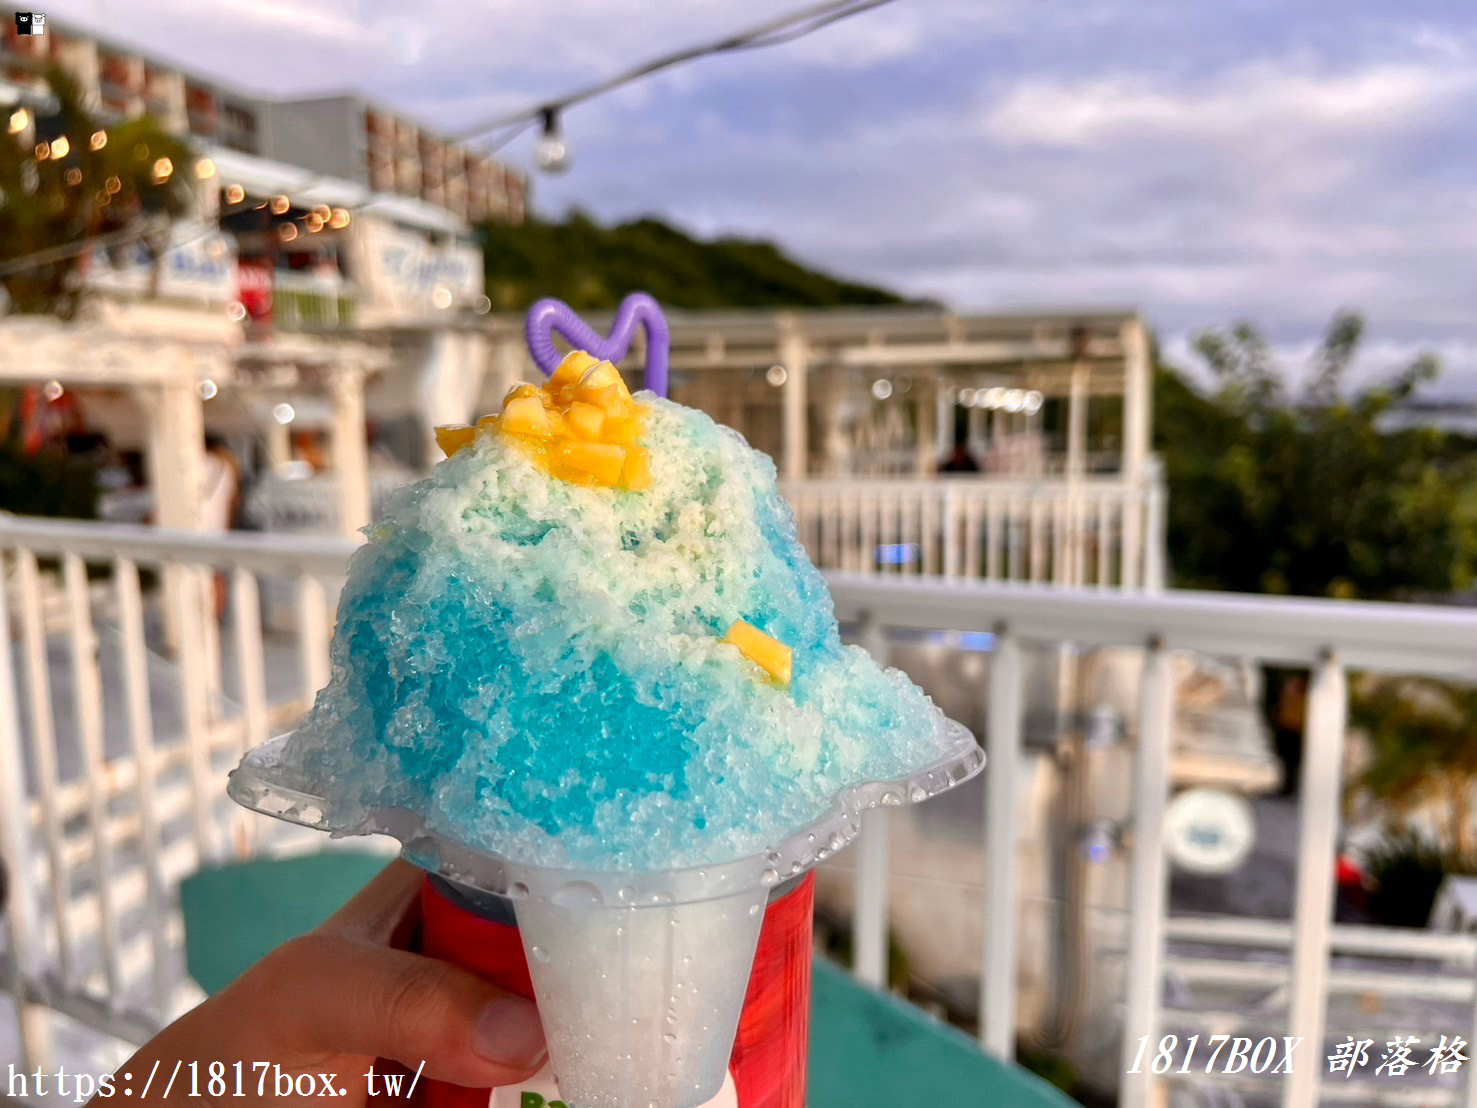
(773, 32)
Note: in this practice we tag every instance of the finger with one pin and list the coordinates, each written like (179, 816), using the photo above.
(348, 996)
(385, 911)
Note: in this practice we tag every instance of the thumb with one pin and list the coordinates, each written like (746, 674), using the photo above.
(347, 996)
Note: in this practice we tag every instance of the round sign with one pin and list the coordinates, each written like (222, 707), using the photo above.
(1209, 831)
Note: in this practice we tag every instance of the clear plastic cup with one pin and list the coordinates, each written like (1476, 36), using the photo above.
(639, 976)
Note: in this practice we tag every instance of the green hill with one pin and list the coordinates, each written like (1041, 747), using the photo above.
(592, 267)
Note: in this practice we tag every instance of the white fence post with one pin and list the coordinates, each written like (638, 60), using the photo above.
(1323, 740)
(21, 910)
(1146, 882)
(870, 917)
(1002, 745)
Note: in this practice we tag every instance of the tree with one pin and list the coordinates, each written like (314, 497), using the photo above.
(1422, 753)
(1307, 493)
(591, 266)
(84, 178)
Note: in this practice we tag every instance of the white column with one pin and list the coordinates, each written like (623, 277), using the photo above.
(1146, 881)
(277, 440)
(1077, 421)
(928, 427)
(1138, 399)
(350, 451)
(1002, 746)
(794, 356)
(176, 454)
(1318, 825)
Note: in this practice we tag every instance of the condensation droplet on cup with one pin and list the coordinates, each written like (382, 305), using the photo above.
(540, 954)
(627, 893)
(891, 799)
(769, 877)
(669, 1037)
(917, 794)
(753, 911)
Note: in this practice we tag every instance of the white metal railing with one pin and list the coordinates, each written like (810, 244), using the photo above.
(95, 848)
(305, 300)
(1328, 637)
(1100, 532)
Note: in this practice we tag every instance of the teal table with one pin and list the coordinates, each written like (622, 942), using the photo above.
(866, 1048)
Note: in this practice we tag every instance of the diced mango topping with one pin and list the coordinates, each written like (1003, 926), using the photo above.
(582, 426)
(525, 415)
(768, 653)
(452, 437)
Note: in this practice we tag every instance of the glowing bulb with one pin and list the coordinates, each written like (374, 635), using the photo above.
(99, 140)
(208, 389)
(113, 185)
(340, 219)
(323, 212)
(441, 297)
(43, 151)
(777, 375)
(74, 176)
(205, 169)
(966, 397)
(882, 388)
(483, 305)
(280, 204)
(313, 223)
(993, 398)
(236, 310)
(1015, 400)
(235, 194)
(163, 168)
(551, 154)
(1033, 403)
(19, 119)
(53, 391)
(287, 232)
(61, 146)
(284, 414)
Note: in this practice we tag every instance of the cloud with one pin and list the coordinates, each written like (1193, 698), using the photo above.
(1203, 162)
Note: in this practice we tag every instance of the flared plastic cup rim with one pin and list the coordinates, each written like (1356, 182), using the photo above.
(262, 784)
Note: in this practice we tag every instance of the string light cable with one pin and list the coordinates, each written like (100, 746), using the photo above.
(774, 32)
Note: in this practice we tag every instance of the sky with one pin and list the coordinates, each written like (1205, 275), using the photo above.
(1202, 161)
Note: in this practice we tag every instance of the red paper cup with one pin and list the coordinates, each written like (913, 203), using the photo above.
(767, 1067)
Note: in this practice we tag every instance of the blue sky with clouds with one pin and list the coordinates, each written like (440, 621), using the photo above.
(1204, 161)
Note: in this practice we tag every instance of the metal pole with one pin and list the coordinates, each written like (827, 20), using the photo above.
(871, 860)
(1002, 744)
(1328, 706)
(1146, 881)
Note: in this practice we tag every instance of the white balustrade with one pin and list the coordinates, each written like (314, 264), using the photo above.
(104, 828)
(1061, 531)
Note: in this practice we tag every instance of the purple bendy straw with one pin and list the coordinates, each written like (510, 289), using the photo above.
(550, 315)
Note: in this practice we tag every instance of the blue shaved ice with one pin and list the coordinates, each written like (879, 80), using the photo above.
(535, 667)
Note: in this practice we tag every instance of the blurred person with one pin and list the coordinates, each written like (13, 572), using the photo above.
(960, 460)
(347, 997)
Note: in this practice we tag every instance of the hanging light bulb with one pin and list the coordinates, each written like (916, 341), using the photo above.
(280, 204)
(551, 154)
(205, 169)
(61, 147)
(235, 194)
(19, 119)
(99, 139)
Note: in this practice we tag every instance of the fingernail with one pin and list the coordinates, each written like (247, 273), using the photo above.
(508, 1032)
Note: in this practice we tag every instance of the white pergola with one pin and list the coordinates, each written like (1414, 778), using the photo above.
(1074, 354)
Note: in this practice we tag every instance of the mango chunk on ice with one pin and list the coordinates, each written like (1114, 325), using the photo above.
(586, 420)
(574, 366)
(451, 437)
(769, 654)
(599, 461)
(636, 473)
(525, 416)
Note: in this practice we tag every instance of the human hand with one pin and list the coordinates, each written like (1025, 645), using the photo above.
(341, 997)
